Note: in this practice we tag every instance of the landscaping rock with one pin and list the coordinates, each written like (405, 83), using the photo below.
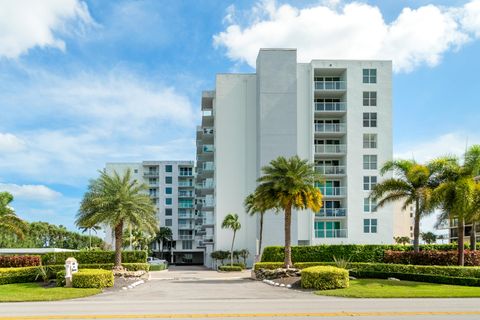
(393, 279)
(352, 278)
(276, 273)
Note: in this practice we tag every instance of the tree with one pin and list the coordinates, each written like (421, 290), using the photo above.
(429, 237)
(137, 239)
(412, 183)
(9, 221)
(231, 222)
(117, 201)
(163, 235)
(90, 229)
(290, 184)
(402, 240)
(244, 253)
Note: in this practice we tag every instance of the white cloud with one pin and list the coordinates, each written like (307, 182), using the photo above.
(30, 192)
(10, 143)
(352, 31)
(25, 24)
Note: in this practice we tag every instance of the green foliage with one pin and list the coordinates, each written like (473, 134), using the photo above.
(324, 278)
(21, 292)
(92, 278)
(229, 268)
(18, 275)
(19, 261)
(10, 223)
(267, 265)
(60, 276)
(430, 278)
(158, 267)
(402, 240)
(42, 273)
(429, 237)
(89, 257)
(341, 262)
(220, 255)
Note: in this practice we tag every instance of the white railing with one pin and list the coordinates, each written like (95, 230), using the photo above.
(330, 233)
(330, 85)
(330, 106)
(208, 166)
(185, 184)
(331, 170)
(330, 148)
(330, 128)
(332, 212)
(333, 191)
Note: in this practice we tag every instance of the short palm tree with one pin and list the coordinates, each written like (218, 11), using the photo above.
(231, 222)
(412, 183)
(117, 201)
(290, 184)
(163, 235)
(9, 221)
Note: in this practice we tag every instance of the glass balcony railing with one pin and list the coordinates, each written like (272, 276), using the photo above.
(185, 205)
(330, 106)
(185, 237)
(330, 128)
(330, 148)
(185, 183)
(331, 85)
(333, 191)
(330, 233)
(331, 170)
(332, 212)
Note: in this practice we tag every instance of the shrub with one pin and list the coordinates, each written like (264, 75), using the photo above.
(19, 261)
(267, 265)
(158, 267)
(324, 278)
(60, 278)
(229, 268)
(94, 257)
(92, 278)
(18, 275)
(431, 257)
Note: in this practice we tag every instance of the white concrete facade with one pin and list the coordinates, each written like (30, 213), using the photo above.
(335, 113)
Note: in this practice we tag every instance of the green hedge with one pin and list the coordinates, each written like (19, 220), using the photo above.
(54, 269)
(94, 257)
(61, 278)
(230, 268)
(324, 278)
(18, 275)
(92, 278)
(158, 267)
(356, 253)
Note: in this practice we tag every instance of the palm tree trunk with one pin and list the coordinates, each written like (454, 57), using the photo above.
(288, 243)
(473, 237)
(231, 250)
(161, 248)
(461, 234)
(90, 238)
(260, 237)
(416, 227)
(118, 244)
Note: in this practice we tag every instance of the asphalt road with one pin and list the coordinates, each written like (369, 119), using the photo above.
(201, 294)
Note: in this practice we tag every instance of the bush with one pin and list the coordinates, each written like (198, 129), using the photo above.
(158, 267)
(19, 261)
(18, 275)
(60, 278)
(431, 257)
(94, 257)
(324, 278)
(230, 268)
(92, 278)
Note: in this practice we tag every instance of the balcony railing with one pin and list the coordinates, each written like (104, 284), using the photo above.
(185, 184)
(331, 170)
(330, 106)
(330, 148)
(330, 85)
(150, 173)
(208, 166)
(186, 216)
(186, 226)
(208, 185)
(330, 128)
(207, 148)
(333, 191)
(185, 205)
(332, 212)
(185, 237)
(330, 233)
(186, 195)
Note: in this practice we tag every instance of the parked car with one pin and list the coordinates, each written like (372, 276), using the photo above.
(153, 260)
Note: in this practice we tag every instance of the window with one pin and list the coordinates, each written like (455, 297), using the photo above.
(369, 182)
(168, 212)
(370, 98)
(168, 201)
(168, 168)
(369, 75)
(168, 222)
(168, 180)
(185, 171)
(369, 119)
(168, 190)
(369, 205)
(186, 245)
(369, 140)
(369, 225)
(370, 162)
(152, 192)
(135, 170)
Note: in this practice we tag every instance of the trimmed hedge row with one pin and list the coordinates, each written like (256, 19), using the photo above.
(356, 253)
(92, 278)
(94, 257)
(104, 266)
(230, 268)
(431, 257)
(18, 275)
(19, 261)
(324, 278)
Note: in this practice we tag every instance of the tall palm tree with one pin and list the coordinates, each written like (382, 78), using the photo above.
(163, 235)
(412, 183)
(117, 201)
(290, 184)
(90, 229)
(9, 221)
(231, 222)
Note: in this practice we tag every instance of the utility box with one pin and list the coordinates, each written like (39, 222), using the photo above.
(71, 266)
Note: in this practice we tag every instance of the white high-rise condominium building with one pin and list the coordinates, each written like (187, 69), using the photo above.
(172, 189)
(335, 113)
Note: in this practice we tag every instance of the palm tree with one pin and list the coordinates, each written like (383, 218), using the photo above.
(290, 184)
(231, 222)
(163, 235)
(9, 221)
(90, 229)
(117, 201)
(412, 183)
(256, 203)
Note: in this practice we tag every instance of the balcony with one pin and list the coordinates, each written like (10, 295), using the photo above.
(332, 213)
(150, 174)
(330, 233)
(330, 106)
(208, 166)
(186, 227)
(330, 148)
(206, 185)
(186, 194)
(185, 237)
(333, 191)
(337, 85)
(185, 205)
(186, 216)
(208, 221)
(185, 184)
(331, 128)
(331, 170)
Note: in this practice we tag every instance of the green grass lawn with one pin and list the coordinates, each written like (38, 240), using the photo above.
(35, 292)
(376, 288)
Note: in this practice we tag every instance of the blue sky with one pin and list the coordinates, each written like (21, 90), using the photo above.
(88, 82)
